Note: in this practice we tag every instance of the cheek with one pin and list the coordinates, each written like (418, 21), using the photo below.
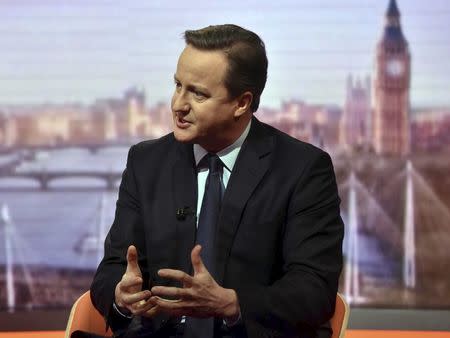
(202, 115)
(172, 100)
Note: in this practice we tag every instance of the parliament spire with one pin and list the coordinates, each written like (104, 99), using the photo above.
(392, 10)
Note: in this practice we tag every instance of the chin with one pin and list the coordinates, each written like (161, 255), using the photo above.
(183, 136)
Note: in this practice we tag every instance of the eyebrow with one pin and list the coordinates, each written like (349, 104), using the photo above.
(193, 86)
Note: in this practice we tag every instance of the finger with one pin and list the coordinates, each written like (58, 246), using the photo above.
(183, 308)
(196, 259)
(153, 311)
(178, 308)
(132, 262)
(142, 307)
(167, 304)
(171, 292)
(133, 298)
(176, 275)
(128, 282)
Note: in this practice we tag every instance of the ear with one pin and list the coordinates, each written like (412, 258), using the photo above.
(243, 104)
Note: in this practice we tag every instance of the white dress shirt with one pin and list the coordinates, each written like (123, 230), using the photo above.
(228, 156)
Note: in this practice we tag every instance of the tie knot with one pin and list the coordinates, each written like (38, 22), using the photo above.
(214, 163)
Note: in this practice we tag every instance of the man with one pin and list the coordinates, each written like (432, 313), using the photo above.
(247, 245)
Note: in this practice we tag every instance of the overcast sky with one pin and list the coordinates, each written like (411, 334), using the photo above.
(79, 50)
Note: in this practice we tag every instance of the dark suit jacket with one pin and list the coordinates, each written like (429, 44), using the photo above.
(279, 238)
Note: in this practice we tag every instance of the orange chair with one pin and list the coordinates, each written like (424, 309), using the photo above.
(339, 320)
(85, 317)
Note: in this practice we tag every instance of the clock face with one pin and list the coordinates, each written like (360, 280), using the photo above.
(395, 67)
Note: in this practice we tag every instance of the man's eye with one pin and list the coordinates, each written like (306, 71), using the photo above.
(199, 95)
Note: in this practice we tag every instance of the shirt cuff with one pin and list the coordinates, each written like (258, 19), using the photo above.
(230, 322)
(116, 308)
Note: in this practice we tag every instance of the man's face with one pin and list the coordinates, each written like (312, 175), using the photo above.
(202, 111)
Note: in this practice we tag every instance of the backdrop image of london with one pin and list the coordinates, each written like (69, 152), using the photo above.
(367, 81)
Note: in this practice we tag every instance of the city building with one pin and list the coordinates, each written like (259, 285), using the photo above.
(8, 130)
(430, 130)
(137, 118)
(391, 121)
(355, 126)
(317, 124)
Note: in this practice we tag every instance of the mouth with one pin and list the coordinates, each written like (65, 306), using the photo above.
(181, 122)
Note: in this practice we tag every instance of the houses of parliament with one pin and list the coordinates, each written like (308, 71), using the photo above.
(376, 116)
(386, 127)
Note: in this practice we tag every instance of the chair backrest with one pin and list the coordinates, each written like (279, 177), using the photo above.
(339, 320)
(85, 317)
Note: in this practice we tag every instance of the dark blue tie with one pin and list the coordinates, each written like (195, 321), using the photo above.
(206, 231)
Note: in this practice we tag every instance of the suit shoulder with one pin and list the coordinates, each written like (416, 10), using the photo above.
(290, 146)
(154, 147)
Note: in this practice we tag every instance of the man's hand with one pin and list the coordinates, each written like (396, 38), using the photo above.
(129, 296)
(200, 295)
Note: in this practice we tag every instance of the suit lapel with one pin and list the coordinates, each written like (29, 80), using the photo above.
(184, 180)
(251, 165)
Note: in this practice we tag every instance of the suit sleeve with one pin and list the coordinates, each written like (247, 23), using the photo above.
(127, 229)
(305, 294)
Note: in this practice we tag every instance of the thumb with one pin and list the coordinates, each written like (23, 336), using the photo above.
(132, 262)
(196, 259)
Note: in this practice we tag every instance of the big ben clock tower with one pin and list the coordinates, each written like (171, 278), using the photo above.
(391, 128)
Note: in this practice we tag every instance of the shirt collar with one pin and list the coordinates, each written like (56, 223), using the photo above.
(229, 155)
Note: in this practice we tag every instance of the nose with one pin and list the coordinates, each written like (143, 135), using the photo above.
(179, 102)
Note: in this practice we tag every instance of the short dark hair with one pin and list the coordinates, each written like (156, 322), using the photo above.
(246, 55)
